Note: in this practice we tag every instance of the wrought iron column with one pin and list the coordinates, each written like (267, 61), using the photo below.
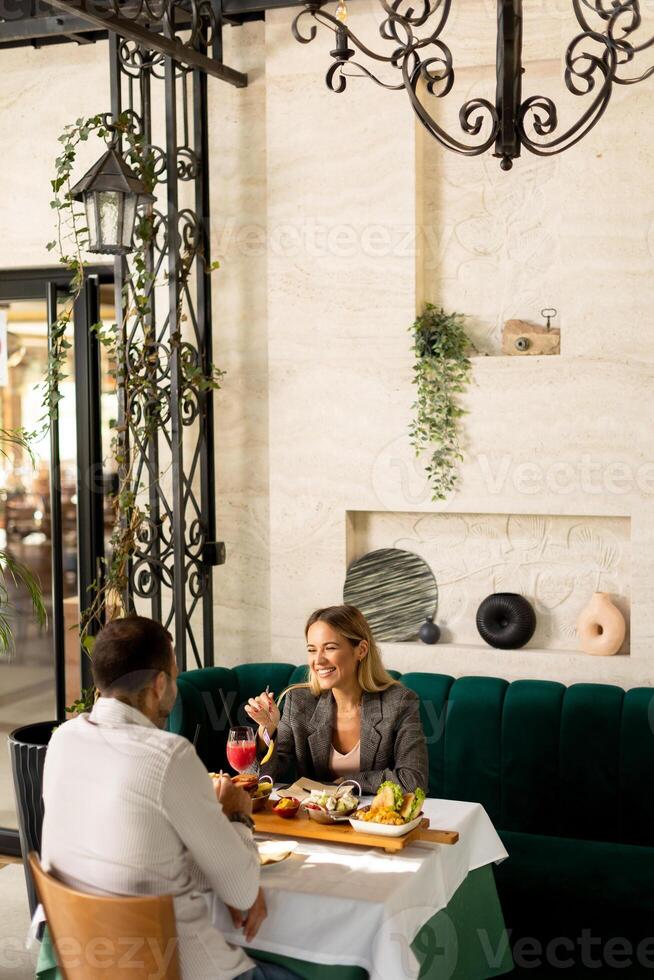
(171, 571)
(176, 384)
(214, 551)
(90, 484)
(56, 534)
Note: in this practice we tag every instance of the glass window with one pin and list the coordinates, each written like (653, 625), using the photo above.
(27, 672)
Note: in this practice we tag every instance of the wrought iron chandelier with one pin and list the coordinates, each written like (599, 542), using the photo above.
(597, 58)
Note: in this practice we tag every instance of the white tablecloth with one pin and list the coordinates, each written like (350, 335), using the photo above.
(342, 905)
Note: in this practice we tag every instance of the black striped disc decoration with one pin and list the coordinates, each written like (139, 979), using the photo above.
(395, 590)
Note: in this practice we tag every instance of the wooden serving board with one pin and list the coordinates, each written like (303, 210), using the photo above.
(301, 826)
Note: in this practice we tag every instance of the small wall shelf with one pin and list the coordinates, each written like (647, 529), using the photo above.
(540, 664)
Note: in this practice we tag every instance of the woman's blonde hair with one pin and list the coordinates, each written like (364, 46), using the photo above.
(353, 625)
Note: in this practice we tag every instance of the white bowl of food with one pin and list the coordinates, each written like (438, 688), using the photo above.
(392, 813)
(385, 830)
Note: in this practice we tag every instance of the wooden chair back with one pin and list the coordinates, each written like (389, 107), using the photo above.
(95, 937)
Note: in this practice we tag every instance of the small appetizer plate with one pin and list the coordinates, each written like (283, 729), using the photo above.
(323, 816)
(262, 794)
(286, 808)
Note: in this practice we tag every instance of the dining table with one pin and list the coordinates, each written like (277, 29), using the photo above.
(344, 912)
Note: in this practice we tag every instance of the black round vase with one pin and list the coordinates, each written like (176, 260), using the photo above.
(429, 632)
(506, 620)
(27, 748)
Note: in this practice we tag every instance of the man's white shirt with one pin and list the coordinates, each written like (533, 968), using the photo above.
(131, 810)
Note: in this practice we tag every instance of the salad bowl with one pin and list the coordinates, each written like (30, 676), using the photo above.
(323, 816)
(336, 807)
(392, 813)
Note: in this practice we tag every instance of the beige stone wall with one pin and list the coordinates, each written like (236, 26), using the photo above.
(335, 218)
(404, 222)
(238, 120)
(41, 92)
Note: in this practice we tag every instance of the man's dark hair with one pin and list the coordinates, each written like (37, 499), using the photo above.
(129, 653)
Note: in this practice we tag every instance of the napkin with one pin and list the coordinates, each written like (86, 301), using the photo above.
(303, 788)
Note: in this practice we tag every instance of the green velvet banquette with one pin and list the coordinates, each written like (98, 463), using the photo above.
(565, 773)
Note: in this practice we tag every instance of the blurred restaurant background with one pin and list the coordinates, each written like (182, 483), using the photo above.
(27, 673)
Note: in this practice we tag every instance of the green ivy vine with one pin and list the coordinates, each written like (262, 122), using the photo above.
(442, 371)
(135, 383)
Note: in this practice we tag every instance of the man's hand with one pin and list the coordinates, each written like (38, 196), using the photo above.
(251, 921)
(232, 798)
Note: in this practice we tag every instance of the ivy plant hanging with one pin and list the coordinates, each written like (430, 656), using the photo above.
(442, 371)
(137, 383)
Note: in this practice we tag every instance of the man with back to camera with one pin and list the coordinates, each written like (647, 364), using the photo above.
(131, 810)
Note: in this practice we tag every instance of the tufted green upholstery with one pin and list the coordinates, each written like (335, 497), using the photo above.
(589, 753)
(566, 775)
(636, 767)
(573, 762)
(530, 756)
(433, 691)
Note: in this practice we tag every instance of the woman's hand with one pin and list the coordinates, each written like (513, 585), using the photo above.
(264, 712)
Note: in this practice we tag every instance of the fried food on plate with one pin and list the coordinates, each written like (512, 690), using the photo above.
(392, 805)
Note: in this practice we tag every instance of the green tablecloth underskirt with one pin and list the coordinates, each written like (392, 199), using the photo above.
(465, 941)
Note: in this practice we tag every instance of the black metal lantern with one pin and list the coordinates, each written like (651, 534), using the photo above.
(111, 192)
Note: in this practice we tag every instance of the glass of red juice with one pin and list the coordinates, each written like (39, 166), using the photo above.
(241, 748)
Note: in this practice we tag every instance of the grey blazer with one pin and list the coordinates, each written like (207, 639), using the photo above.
(392, 739)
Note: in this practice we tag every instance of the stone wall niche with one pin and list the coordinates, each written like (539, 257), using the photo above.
(556, 562)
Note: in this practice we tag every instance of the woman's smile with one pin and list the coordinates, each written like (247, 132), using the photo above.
(332, 657)
(327, 674)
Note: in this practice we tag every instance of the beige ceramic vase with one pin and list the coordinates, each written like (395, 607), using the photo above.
(601, 626)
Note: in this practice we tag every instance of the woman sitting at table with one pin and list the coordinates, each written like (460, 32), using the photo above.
(352, 720)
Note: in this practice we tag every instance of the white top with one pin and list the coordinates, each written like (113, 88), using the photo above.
(345, 764)
(131, 810)
(373, 903)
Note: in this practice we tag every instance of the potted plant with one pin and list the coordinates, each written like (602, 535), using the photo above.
(442, 371)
